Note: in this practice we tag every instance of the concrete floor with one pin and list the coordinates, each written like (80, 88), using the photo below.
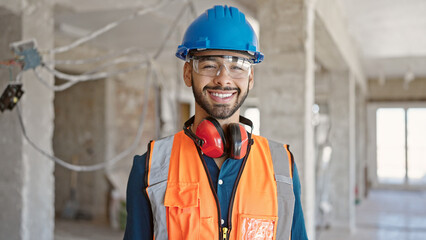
(85, 230)
(385, 215)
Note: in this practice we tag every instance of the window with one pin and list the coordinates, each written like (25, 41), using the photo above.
(401, 145)
(391, 145)
(416, 150)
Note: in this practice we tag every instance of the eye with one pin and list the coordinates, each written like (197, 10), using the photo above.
(208, 65)
(237, 68)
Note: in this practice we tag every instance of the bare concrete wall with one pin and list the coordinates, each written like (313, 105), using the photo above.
(361, 143)
(396, 90)
(126, 101)
(11, 174)
(340, 189)
(286, 84)
(79, 138)
(38, 114)
(29, 179)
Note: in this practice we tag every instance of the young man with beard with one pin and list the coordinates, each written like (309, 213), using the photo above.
(214, 180)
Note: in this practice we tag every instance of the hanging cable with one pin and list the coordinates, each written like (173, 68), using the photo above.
(171, 30)
(73, 79)
(105, 164)
(116, 62)
(100, 75)
(96, 59)
(107, 28)
(93, 76)
(193, 9)
(55, 88)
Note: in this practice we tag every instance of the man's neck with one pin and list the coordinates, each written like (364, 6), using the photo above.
(199, 116)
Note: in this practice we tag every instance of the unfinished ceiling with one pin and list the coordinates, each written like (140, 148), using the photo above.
(390, 35)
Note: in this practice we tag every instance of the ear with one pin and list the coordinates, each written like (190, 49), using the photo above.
(187, 70)
(251, 79)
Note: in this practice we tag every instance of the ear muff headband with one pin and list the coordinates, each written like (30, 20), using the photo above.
(186, 128)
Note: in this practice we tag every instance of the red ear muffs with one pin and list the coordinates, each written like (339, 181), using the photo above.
(209, 137)
(238, 141)
(211, 133)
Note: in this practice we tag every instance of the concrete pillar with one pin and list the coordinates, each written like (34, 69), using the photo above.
(342, 137)
(285, 81)
(11, 174)
(26, 176)
(361, 143)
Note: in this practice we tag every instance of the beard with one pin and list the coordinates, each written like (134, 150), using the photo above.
(219, 111)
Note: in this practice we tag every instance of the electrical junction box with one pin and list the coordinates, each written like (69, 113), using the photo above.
(10, 96)
(27, 51)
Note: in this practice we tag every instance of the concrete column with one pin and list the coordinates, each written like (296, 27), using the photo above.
(342, 137)
(26, 175)
(352, 152)
(361, 143)
(286, 84)
(11, 174)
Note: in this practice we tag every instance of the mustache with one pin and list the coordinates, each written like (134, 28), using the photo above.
(221, 88)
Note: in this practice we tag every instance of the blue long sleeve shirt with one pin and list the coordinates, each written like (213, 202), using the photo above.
(139, 215)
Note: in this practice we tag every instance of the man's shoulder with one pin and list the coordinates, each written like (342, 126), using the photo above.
(270, 141)
(168, 137)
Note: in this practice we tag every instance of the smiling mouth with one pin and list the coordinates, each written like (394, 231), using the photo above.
(221, 95)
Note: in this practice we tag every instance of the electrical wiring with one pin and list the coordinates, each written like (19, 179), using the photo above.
(8, 64)
(94, 75)
(193, 9)
(73, 79)
(126, 51)
(172, 28)
(118, 61)
(19, 77)
(108, 27)
(11, 62)
(55, 88)
(98, 166)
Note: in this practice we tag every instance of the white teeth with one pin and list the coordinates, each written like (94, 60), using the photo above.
(222, 95)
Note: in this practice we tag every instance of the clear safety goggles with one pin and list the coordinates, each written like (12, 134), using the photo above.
(211, 65)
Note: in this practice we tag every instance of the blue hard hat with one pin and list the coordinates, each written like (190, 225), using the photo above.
(220, 27)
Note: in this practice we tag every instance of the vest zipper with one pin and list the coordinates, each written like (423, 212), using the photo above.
(221, 231)
(234, 190)
(225, 233)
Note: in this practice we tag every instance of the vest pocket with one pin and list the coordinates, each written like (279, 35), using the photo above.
(182, 204)
(254, 227)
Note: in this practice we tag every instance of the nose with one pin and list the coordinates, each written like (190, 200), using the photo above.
(222, 77)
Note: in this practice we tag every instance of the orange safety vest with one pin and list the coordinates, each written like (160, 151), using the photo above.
(185, 205)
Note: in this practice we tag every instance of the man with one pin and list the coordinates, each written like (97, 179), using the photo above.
(213, 180)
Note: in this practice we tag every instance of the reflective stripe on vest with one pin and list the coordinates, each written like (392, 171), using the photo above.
(183, 203)
(156, 172)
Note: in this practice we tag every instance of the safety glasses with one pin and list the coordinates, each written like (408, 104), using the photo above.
(212, 65)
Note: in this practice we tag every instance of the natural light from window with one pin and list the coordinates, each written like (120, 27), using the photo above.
(416, 136)
(401, 145)
(391, 145)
